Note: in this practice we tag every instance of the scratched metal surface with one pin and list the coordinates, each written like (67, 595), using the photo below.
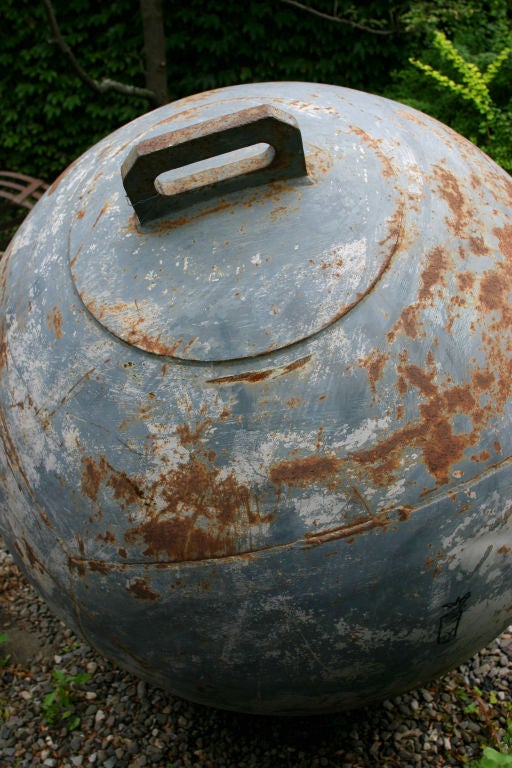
(259, 451)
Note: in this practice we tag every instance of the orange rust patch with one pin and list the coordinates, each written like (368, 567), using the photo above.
(483, 380)
(205, 514)
(197, 510)
(465, 281)
(251, 377)
(375, 363)
(493, 291)
(388, 170)
(190, 437)
(434, 274)
(422, 380)
(478, 246)
(504, 236)
(410, 322)
(433, 431)
(140, 589)
(449, 189)
(433, 278)
(93, 473)
(294, 366)
(126, 491)
(54, 320)
(482, 456)
(300, 472)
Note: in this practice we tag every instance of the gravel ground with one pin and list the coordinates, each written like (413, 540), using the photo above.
(117, 721)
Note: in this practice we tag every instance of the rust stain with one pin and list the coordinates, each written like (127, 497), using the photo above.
(54, 320)
(108, 537)
(205, 514)
(101, 213)
(482, 456)
(279, 212)
(190, 437)
(449, 190)
(77, 564)
(125, 489)
(408, 322)
(140, 589)
(303, 361)
(433, 430)
(484, 396)
(3, 346)
(93, 474)
(82, 565)
(253, 377)
(153, 345)
(300, 472)
(98, 566)
(185, 114)
(432, 280)
(478, 246)
(31, 555)
(375, 363)
(493, 290)
(45, 518)
(13, 458)
(465, 281)
(434, 274)
(197, 510)
(356, 527)
(388, 171)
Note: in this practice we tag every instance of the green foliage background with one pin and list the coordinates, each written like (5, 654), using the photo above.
(49, 116)
(479, 33)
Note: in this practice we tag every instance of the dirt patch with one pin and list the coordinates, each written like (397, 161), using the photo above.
(23, 643)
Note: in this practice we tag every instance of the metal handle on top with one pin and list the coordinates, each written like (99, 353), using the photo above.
(255, 125)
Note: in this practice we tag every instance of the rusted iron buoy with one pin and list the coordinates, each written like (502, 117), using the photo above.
(256, 398)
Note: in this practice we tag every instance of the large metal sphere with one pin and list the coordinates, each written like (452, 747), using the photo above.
(258, 434)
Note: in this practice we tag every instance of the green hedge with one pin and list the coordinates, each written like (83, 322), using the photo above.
(49, 116)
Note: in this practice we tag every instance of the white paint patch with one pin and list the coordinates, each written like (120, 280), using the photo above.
(370, 430)
(321, 510)
(71, 437)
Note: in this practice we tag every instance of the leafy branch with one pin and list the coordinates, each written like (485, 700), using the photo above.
(376, 29)
(474, 86)
(100, 86)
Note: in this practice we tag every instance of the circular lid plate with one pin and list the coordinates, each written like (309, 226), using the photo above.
(246, 272)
